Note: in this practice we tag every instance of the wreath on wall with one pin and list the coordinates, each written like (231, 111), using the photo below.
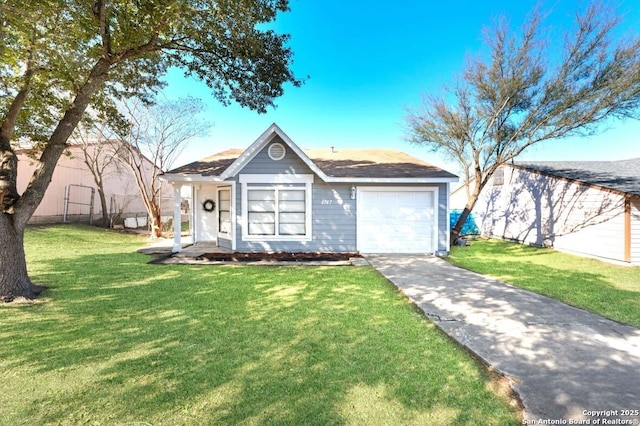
(209, 205)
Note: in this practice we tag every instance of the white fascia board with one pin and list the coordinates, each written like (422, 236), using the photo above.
(392, 180)
(304, 157)
(280, 178)
(260, 143)
(176, 178)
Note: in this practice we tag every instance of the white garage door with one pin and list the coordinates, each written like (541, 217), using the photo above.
(396, 220)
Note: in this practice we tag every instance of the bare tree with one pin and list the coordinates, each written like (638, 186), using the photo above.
(96, 141)
(156, 135)
(521, 96)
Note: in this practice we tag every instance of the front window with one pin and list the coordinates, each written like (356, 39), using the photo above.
(276, 212)
(262, 212)
(276, 207)
(224, 211)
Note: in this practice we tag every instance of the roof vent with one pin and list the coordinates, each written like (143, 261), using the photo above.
(276, 151)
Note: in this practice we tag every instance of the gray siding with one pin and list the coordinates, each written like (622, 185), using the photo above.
(333, 224)
(334, 217)
(333, 210)
(224, 243)
(262, 164)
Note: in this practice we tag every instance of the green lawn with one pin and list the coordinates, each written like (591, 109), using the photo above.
(609, 290)
(116, 341)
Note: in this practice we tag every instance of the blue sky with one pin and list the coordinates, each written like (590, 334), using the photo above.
(370, 61)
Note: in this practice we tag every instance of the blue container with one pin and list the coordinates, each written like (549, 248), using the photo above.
(469, 227)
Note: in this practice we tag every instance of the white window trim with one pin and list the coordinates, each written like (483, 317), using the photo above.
(225, 235)
(273, 182)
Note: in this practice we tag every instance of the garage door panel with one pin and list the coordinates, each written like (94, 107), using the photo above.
(396, 213)
(395, 221)
(411, 214)
(405, 198)
(369, 213)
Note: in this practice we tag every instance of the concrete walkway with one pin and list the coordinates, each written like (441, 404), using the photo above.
(566, 364)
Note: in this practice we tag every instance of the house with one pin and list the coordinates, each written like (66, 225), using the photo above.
(72, 194)
(274, 196)
(589, 208)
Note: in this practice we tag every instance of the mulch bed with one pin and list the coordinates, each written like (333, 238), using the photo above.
(280, 257)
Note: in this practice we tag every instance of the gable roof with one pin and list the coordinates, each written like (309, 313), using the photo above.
(349, 165)
(264, 139)
(620, 176)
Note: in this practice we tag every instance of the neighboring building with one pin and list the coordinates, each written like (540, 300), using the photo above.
(590, 208)
(274, 196)
(72, 194)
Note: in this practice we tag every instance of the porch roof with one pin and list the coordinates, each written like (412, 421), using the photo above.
(213, 165)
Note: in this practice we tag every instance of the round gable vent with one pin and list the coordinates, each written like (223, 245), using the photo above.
(276, 151)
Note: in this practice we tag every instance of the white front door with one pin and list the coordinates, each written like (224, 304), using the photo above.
(206, 213)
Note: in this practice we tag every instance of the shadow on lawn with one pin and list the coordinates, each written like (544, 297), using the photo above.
(575, 287)
(563, 360)
(226, 345)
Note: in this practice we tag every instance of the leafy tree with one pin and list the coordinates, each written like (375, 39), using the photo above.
(60, 56)
(525, 93)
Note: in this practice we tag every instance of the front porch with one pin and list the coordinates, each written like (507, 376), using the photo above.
(211, 217)
(198, 249)
(189, 252)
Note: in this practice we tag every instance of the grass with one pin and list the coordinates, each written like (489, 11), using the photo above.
(609, 290)
(117, 341)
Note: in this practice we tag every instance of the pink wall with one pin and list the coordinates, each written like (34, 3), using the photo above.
(119, 185)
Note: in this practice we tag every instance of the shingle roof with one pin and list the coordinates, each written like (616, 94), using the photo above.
(340, 163)
(369, 163)
(622, 176)
(212, 165)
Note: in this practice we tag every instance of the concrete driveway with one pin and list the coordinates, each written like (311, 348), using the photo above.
(566, 364)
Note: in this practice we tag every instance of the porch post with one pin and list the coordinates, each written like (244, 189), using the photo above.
(177, 218)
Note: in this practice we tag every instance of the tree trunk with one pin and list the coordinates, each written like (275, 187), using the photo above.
(468, 208)
(155, 214)
(156, 230)
(457, 228)
(106, 223)
(14, 280)
(105, 210)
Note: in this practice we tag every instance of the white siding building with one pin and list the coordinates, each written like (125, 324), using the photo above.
(587, 208)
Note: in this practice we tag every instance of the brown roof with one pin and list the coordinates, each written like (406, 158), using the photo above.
(340, 163)
(373, 163)
(212, 165)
